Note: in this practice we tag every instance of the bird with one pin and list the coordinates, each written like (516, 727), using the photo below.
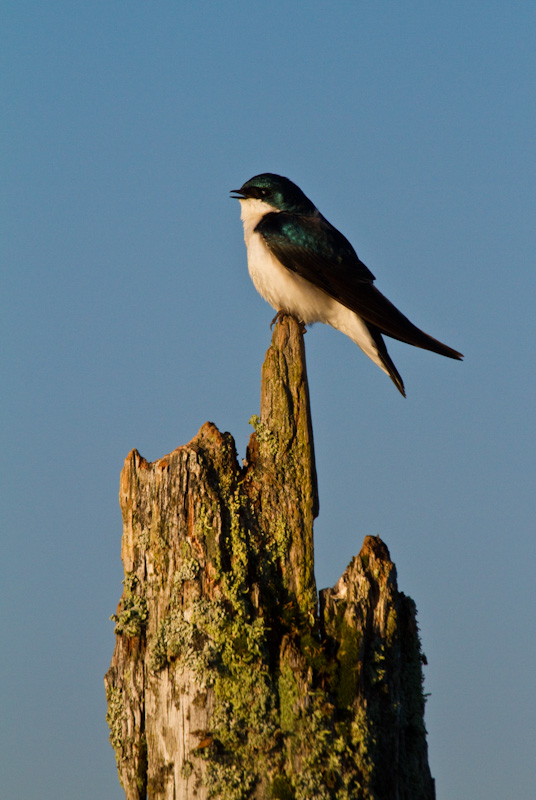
(303, 266)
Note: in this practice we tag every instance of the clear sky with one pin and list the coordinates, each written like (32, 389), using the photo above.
(129, 319)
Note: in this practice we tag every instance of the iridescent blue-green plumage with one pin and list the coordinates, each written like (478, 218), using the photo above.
(310, 244)
(287, 236)
(282, 193)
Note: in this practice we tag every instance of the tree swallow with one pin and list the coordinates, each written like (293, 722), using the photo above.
(305, 267)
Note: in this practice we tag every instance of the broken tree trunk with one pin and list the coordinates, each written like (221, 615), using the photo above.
(226, 680)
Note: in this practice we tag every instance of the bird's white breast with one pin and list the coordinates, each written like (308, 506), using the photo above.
(283, 289)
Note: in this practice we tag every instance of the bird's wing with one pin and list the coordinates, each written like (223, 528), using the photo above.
(318, 252)
(314, 249)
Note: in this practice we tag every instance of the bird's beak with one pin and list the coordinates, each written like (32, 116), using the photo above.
(237, 194)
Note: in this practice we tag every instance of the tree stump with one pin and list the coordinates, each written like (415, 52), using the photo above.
(230, 678)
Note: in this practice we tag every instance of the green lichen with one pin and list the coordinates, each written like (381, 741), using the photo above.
(127, 749)
(362, 741)
(244, 723)
(234, 580)
(287, 687)
(159, 546)
(204, 520)
(206, 527)
(264, 435)
(392, 626)
(188, 571)
(187, 769)
(132, 618)
(377, 664)
(232, 650)
(174, 639)
(143, 538)
(281, 536)
(329, 767)
(158, 782)
(348, 664)
(184, 643)
(115, 717)
(281, 788)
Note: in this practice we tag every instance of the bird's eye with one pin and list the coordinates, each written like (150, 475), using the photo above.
(263, 192)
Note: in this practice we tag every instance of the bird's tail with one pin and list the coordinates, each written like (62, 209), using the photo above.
(419, 338)
(386, 361)
(382, 314)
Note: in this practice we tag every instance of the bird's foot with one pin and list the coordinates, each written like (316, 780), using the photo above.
(278, 317)
(281, 314)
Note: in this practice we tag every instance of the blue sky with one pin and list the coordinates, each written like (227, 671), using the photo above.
(128, 320)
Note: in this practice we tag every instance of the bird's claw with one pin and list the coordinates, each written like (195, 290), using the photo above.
(281, 314)
(278, 317)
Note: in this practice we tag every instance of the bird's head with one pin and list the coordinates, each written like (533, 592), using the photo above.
(277, 191)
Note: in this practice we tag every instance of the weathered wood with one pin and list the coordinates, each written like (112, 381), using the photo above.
(225, 681)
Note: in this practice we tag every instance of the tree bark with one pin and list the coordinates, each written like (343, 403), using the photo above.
(226, 681)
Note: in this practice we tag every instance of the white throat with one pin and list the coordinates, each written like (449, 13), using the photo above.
(252, 210)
